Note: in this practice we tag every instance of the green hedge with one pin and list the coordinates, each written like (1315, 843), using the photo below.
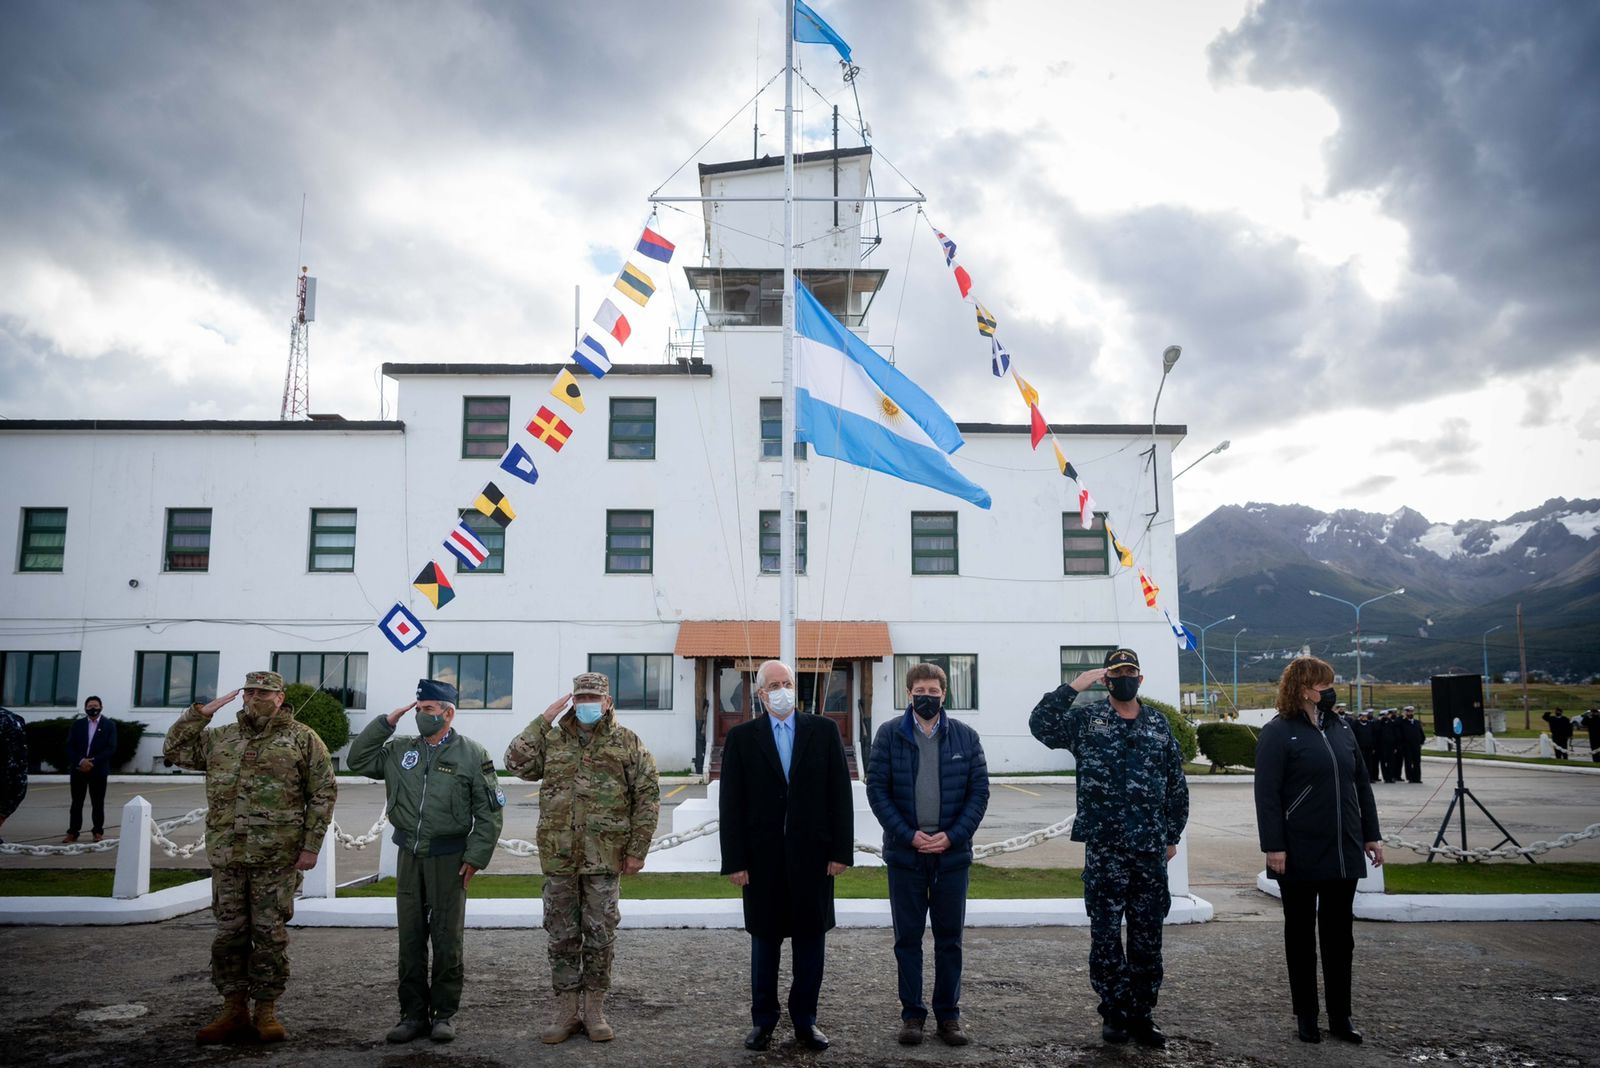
(1228, 745)
(321, 711)
(1180, 727)
(47, 742)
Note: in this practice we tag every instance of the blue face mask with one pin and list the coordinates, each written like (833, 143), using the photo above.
(589, 713)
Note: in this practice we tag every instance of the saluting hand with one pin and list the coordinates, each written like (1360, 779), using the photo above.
(1088, 679)
(211, 708)
(394, 717)
(556, 708)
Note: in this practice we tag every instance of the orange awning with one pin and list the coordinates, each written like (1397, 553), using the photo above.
(844, 640)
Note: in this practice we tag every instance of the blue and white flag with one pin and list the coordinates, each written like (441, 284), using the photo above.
(1000, 361)
(592, 356)
(810, 29)
(853, 405)
(1185, 636)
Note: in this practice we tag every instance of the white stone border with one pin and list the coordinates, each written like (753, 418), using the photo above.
(106, 911)
(1438, 908)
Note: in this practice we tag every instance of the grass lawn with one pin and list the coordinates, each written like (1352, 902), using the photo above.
(1500, 877)
(986, 882)
(84, 882)
(1510, 759)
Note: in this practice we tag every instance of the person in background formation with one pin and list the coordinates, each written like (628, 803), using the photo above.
(1560, 732)
(270, 790)
(1366, 734)
(1412, 737)
(1390, 753)
(1316, 817)
(446, 808)
(599, 802)
(1133, 803)
(1591, 720)
(928, 784)
(91, 742)
(787, 827)
(13, 764)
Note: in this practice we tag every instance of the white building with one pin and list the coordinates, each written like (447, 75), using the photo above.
(154, 561)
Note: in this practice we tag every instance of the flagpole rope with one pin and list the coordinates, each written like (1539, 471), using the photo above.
(740, 111)
(876, 151)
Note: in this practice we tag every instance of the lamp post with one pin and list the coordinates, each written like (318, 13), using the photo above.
(1358, 608)
(1220, 448)
(1236, 668)
(1205, 687)
(1488, 693)
(1169, 357)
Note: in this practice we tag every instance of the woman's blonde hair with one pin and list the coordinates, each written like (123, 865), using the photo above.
(1303, 672)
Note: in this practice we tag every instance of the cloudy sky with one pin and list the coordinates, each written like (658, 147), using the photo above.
(1372, 226)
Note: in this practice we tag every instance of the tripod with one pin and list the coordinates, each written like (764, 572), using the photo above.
(1461, 796)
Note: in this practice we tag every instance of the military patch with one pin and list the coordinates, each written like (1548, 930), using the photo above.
(500, 796)
(488, 767)
(448, 769)
(408, 761)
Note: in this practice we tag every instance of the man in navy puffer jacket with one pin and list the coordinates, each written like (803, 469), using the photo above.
(928, 784)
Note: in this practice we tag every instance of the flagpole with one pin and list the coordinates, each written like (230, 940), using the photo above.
(786, 531)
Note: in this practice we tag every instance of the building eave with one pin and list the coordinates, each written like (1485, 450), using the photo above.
(250, 426)
(767, 162)
(1080, 429)
(642, 370)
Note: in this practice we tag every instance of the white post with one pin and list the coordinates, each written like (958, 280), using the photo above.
(1547, 748)
(133, 851)
(1178, 868)
(1489, 743)
(321, 880)
(787, 589)
(388, 857)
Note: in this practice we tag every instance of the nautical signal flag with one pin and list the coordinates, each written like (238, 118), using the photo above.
(567, 392)
(1066, 466)
(592, 356)
(517, 462)
(492, 503)
(549, 428)
(1120, 549)
(1030, 396)
(1085, 507)
(655, 246)
(1185, 636)
(402, 628)
(949, 247)
(613, 321)
(986, 322)
(963, 281)
(1000, 359)
(635, 284)
(434, 585)
(1039, 427)
(467, 547)
(1150, 588)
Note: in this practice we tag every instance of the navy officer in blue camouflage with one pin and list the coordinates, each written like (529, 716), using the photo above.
(1133, 802)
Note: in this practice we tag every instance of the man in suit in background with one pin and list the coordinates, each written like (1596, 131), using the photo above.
(91, 741)
(787, 828)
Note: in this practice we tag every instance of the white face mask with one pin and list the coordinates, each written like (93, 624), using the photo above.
(780, 701)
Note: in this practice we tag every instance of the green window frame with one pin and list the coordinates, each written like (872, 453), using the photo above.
(44, 540)
(174, 680)
(640, 682)
(1084, 552)
(633, 428)
(483, 680)
(344, 675)
(39, 678)
(935, 544)
(1076, 659)
(961, 674)
(771, 551)
(772, 431)
(630, 542)
(188, 542)
(493, 536)
(333, 540)
(485, 427)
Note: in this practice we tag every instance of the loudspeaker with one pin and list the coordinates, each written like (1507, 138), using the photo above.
(1457, 697)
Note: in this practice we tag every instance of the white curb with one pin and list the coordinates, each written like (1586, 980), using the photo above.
(1437, 908)
(104, 911)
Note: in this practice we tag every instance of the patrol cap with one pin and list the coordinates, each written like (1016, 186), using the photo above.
(1121, 658)
(1409, 708)
(434, 690)
(591, 682)
(263, 680)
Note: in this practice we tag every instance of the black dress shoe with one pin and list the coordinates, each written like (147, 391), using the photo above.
(811, 1037)
(759, 1038)
(1306, 1028)
(1111, 1031)
(1345, 1030)
(1146, 1033)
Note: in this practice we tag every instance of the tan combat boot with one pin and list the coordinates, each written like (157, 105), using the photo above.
(568, 1021)
(594, 1016)
(268, 1029)
(232, 1022)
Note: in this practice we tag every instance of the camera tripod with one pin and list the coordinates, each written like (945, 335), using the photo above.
(1462, 795)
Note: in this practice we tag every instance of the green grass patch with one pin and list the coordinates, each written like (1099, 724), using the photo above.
(1502, 758)
(856, 883)
(1500, 877)
(84, 882)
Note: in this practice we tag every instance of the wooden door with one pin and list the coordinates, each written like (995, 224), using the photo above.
(830, 693)
(732, 692)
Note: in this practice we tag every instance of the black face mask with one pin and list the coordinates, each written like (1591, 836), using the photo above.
(1326, 699)
(926, 705)
(1123, 687)
(92, 713)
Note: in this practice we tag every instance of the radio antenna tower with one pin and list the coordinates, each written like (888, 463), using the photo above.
(297, 379)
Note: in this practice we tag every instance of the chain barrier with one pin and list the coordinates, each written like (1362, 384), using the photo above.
(1501, 853)
(160, 828)
(359, 841)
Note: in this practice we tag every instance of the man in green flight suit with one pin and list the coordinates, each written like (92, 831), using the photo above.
(447, 809)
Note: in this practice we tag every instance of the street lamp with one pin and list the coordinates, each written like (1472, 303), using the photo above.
(1487, 692)
(1236, 668)
(1168, 358)
(1358, 608)
(1213, 452)
(1205, 687)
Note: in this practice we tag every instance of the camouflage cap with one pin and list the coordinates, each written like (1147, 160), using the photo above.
(263, 680)
(592, 682)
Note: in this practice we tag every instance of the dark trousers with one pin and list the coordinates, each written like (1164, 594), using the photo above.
(915, 894)
(1563, 747)
(1371, 757)
(765, 956)
(1118, 885)
(95, 786)
(1391, 765)
(1319, 910)
(431, 910)
(1413, 764)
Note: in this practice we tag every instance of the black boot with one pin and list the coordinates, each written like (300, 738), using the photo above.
(1344, 1029)
(1306, 1028)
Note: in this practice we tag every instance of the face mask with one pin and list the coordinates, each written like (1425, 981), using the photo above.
(428, 724)
(1326, 699)
(257, 712)
(781, 701)
(926, 705)
(589, 712)
(1123, 687)
(93, 713)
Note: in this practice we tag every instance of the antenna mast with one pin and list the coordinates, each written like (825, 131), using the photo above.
(297, 379)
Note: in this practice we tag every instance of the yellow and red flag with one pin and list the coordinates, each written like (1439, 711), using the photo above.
(1150, 588)
(549, 428)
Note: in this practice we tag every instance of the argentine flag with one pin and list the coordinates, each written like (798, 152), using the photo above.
(851, 404)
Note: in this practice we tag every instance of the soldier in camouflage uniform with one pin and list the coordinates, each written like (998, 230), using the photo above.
(599, 800)
(270, 790)
(1133, 802)
(13, 763)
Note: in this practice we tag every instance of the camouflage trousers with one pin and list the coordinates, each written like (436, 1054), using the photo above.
(1118, 885)
(252, 907)
(581, 917)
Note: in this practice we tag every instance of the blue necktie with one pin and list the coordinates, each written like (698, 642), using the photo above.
(785, 741)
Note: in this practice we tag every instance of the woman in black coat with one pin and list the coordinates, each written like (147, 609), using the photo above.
(1318, 826)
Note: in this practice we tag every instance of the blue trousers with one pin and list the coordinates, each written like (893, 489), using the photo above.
(765, 956)
(915, 894)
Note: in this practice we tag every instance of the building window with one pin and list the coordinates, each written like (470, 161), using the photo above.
(1084, 552)
(188, 539)
(493, 536)
(933, 543)
(633, 428)
(630, 542)
(638, 680)
(1076, 659)
(772, 431)
(960, 668)
(344, 675)
(333, 539)
(44, 539)
(485, 427)
(755, 297)
(175, 680)
(38, 680)
(483, 680)
(771, 557)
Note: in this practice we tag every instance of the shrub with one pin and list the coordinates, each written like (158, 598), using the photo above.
(321, 711)
(47, 742)
(1228, 745)
(1181, 730)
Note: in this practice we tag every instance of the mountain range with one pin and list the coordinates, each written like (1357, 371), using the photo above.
(1258, 562)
